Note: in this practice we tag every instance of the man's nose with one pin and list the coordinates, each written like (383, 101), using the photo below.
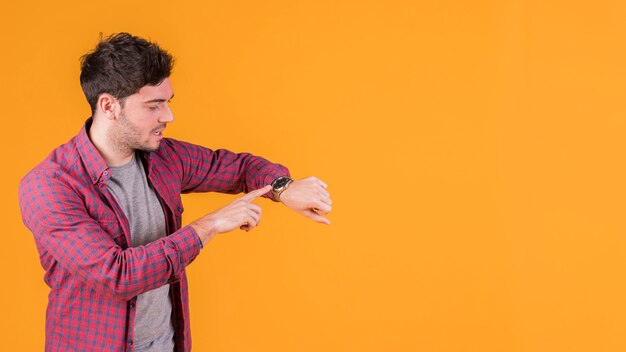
(167, 115)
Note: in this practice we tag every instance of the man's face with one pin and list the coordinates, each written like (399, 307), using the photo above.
(143, 118)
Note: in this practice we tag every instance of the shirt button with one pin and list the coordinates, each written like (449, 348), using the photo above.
(106, 172)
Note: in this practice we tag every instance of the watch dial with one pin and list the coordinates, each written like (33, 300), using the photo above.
(280, 183)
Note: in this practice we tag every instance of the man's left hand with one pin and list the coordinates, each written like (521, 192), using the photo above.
(309, 197)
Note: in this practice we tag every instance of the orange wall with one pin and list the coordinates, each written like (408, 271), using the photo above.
(474, 151)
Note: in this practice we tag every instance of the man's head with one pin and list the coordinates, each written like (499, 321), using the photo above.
(120, 65)
(126, 82)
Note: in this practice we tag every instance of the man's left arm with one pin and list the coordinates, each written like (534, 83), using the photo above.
(206, 170)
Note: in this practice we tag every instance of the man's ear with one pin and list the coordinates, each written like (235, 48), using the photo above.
(109, 106)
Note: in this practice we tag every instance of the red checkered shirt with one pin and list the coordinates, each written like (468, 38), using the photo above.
(83, 236)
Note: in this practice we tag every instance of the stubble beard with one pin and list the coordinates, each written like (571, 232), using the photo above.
(127, 138)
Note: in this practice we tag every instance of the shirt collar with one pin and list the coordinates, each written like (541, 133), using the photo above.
(92, 159)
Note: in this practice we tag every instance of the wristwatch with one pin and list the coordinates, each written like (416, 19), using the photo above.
(280, 185)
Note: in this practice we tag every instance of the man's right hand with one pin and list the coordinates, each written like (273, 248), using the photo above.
(240, 213)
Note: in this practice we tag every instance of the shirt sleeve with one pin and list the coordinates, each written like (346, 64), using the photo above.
(56, 215)
(206, 170)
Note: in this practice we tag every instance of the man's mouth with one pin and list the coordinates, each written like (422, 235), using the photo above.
(159, 130)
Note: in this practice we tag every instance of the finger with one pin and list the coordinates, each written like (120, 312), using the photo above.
(321, 183)
(323, 208)
(323, 192)
(254, 208)
(326, 200)
(319, 204)
(252, 217)
(252, 195)
(316, 217)
(249, 224)
(320, 211)
(256, 217)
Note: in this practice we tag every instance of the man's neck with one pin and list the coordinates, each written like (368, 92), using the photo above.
(113, 156)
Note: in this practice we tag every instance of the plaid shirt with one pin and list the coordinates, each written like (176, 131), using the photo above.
(83, 236)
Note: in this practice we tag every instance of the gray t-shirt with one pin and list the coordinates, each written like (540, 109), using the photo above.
(154, 329)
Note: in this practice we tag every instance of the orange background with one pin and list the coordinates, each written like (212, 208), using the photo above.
(473, 149)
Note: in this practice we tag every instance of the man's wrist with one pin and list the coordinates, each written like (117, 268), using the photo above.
(205, 230)
(280, 185)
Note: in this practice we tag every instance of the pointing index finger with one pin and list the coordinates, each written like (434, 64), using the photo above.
(252, 195)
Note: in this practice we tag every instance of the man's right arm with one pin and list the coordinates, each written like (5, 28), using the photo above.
(56, 215)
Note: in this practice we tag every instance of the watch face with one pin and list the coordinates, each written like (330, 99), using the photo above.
(281, 182)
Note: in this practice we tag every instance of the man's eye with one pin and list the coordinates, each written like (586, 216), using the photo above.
(153, 107)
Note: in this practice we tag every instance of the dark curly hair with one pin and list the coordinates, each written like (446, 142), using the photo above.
(120, 65)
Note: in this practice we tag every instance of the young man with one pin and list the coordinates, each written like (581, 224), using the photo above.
(105, 208)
